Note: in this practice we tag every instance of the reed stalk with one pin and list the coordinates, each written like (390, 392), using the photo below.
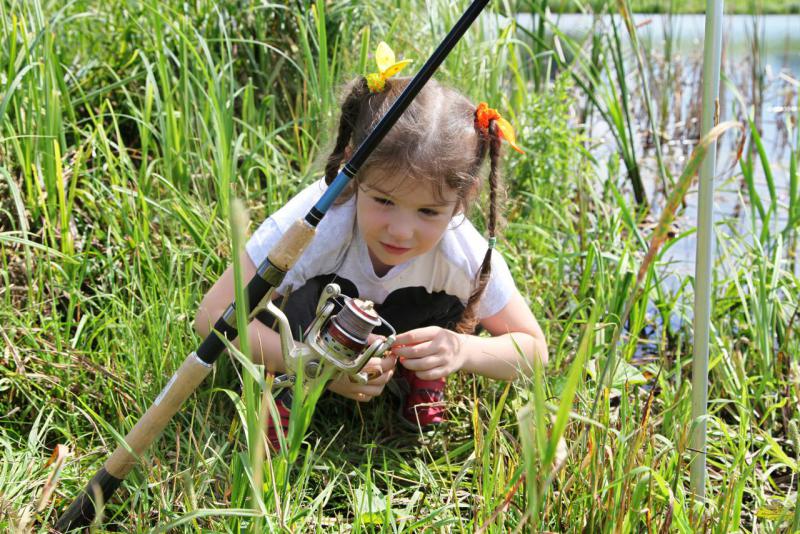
(705, 243)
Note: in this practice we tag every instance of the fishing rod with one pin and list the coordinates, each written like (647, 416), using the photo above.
(269, 275)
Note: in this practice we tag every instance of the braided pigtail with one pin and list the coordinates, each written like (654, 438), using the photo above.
(468, 321)
(350, 109)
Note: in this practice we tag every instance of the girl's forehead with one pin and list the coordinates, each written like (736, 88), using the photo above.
(419, 190)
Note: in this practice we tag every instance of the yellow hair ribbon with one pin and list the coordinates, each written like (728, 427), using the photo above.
(387, 67)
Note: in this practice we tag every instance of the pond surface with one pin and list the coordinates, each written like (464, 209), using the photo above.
(761, 57)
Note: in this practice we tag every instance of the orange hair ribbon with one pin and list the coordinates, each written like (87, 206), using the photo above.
(484, 114)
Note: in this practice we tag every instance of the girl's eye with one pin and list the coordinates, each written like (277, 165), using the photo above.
(429, 212)
(382, 201)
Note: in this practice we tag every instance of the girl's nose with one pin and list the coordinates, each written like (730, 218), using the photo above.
(400, 229)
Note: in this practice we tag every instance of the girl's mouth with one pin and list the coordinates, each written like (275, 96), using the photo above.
(394, 250)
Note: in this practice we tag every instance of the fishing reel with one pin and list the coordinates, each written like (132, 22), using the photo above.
(338, 341)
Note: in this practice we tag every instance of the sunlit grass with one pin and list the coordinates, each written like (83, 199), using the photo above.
(122, 146)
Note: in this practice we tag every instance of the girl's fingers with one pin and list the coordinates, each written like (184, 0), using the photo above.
(418, 335)
(367, 392)
(360, 397)
(379, 371)
(372, 337)
(381, 365)
(388, 363)
(421, 364)
(382, 379)
(371, 391)
(413, 351)
(373, 367)
(432, 374)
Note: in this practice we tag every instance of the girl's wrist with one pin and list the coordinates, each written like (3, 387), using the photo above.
(504, 357)
(465, 347)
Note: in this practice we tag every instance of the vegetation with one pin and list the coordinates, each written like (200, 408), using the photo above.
(742, 7)
(129, 129)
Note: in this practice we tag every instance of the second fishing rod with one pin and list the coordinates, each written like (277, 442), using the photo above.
(269, 275)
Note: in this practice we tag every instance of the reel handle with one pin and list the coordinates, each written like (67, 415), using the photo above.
(376, 350)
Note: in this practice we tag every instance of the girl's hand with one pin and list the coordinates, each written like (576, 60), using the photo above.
(380, 369)
(431, 352)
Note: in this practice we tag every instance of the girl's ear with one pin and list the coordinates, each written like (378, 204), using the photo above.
(473, 193)
(348, 151)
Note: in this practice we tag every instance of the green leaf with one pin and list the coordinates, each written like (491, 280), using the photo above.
(624, 373)
(370, 506)
(773, 512)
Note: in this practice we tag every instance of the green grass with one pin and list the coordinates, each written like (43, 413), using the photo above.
(126, 133)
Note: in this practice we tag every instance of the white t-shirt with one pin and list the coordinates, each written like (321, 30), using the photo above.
(444, 275)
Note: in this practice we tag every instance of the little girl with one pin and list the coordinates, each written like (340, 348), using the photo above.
(399, 237)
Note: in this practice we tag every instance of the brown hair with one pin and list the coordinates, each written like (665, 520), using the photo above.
(435, 141)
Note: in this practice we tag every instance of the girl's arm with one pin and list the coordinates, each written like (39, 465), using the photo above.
(265, 343)
(514, 329)
(434, 352)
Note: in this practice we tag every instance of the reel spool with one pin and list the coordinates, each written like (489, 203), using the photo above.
(345, 335)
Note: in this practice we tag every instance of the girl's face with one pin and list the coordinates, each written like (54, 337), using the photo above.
(400, 221)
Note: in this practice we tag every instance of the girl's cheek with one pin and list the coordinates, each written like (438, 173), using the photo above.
(436, 231)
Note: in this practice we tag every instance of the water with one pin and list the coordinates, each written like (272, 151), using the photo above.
(779, 34)
(776, 39)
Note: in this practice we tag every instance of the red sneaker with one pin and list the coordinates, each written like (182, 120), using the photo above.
(424, 406)
(283, 402)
